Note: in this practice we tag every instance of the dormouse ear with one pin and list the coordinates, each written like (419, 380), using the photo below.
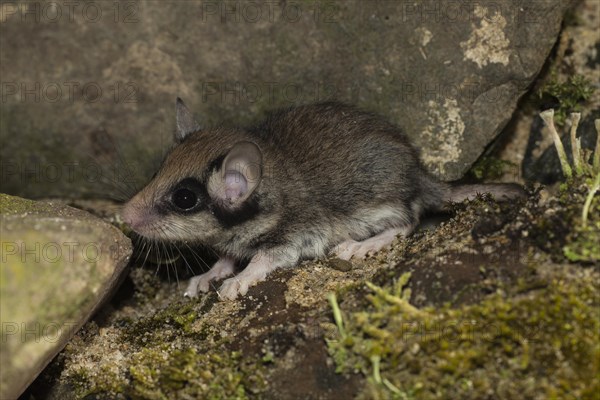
(239, 176)
(185, 121)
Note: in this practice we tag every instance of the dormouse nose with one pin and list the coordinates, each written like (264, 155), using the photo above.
(131, 216)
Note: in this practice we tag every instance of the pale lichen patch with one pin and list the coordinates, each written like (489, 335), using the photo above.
(424, 36)
(445, 127)
(487, 44)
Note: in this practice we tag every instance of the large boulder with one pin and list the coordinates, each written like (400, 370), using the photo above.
(88, 107)
(58, 265)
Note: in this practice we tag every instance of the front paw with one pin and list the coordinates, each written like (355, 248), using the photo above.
(201, 283)
(255, 272)
(198, 284)
(232, 287)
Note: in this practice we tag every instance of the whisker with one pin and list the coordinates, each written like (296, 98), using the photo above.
(147, 253)
(184, 260)
(197, 256)
(140, 249)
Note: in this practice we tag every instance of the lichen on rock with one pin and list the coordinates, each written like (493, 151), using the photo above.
(488, 44)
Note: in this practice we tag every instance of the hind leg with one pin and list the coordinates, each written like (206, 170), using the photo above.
(360, 249)
(404, 216)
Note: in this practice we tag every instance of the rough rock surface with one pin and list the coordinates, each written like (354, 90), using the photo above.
(449, 72)
(58, 265)
(526, 142)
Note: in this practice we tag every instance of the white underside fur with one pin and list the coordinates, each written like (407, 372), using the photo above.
(261, 265)
(264, 263)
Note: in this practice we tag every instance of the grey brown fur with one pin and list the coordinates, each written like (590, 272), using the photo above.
(329, 173)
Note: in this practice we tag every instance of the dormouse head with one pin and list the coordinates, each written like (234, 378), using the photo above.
(206, 184)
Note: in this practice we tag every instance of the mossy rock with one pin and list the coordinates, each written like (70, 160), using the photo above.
(58, 265)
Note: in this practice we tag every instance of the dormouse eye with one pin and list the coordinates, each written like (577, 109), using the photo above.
(184, 199)
(188, 196)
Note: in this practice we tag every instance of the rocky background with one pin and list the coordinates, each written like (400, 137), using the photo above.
(88, 90)
(490, 301)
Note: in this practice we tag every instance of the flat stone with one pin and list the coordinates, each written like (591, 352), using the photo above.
(58, 265)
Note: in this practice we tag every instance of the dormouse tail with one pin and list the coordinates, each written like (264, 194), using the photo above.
(500, 192)
(437, 195)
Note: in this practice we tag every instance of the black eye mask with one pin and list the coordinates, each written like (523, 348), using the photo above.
(189, 196)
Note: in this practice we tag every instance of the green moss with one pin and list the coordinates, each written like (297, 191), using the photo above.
(173, 321)
(559, 229)
(106, 380)
(79, 380)
(585, 246)
(169, 356)
(28, 271)
(490, 168)
(569, 94)
(571, 18)
(169, 371)
(583, 240)
(545, 343)
(10, 205)
(165, 373)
